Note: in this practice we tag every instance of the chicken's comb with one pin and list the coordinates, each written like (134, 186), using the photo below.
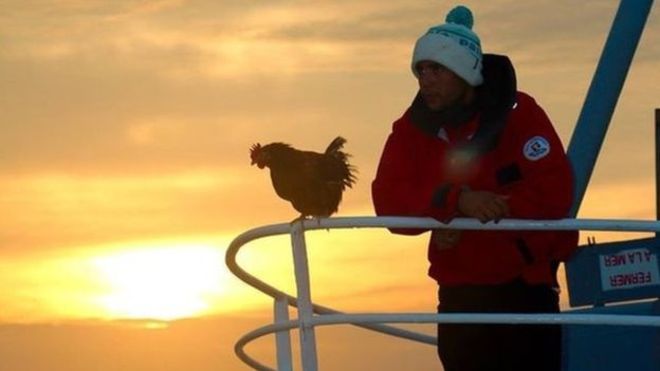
(254, 149)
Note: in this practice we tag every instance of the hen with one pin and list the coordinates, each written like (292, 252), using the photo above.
(312, 182)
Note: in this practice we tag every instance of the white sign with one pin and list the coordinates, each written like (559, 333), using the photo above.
(628, 269)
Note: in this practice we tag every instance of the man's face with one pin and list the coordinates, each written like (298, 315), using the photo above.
(440, 87)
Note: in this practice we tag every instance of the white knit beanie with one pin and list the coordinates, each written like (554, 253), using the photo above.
(453, 45)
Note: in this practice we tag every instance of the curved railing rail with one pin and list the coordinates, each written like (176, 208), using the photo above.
(374, 321)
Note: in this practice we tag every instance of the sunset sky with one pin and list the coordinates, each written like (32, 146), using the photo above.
(124, 138)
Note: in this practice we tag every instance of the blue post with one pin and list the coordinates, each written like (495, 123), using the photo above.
(604, 92)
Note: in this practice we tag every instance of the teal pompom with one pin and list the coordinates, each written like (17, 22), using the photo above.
(460, 15)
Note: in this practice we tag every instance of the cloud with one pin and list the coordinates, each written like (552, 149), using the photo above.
(184, 39)
(56, 211)
(130, 346)
(124, 121)
(131, 86)
(85, 117)
(202, 344)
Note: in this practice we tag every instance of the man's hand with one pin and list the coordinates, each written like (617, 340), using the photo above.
(446, 238)
(483, 205)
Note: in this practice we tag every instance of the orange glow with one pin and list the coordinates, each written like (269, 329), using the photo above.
(157, 280)
(161, 283)
(125, 174)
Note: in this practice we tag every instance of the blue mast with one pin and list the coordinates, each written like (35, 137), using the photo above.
(584, 271)
(604, 92)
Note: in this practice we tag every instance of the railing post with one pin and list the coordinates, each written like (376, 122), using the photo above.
(657, 166)
(282, 338)
(305, 308)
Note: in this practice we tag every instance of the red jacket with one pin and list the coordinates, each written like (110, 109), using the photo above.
(421, 175)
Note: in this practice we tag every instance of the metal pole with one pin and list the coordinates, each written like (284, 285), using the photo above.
(283, 338)
(657, 167)
(604, 92)
(305, 306)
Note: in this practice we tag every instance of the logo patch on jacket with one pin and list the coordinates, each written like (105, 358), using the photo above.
(536, 148)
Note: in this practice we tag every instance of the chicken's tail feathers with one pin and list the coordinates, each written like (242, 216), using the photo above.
(335, 146)
(335, 150)
(349, 178)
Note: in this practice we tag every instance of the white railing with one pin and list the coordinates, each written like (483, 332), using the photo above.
(307, 319)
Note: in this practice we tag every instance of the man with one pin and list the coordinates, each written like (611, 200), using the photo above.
(470, 145)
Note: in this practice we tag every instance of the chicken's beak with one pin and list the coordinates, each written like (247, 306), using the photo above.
(260, 165)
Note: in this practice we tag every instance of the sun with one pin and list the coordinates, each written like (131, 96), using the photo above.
(162, 283)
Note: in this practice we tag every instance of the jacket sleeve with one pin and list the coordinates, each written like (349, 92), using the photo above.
(545, 186)
(403, 188)
(545, 189)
